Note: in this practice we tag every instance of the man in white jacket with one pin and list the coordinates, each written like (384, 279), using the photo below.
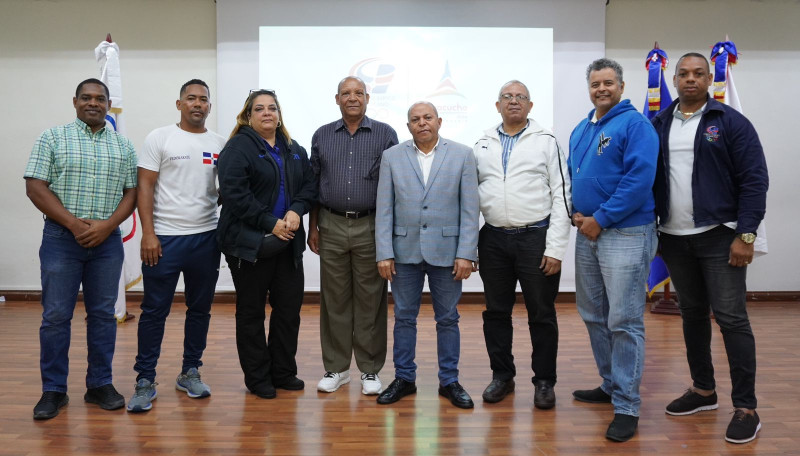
(524, 195)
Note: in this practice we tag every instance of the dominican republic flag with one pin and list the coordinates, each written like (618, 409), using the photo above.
(658, 98)
(209, 158)
(723, 56)
(107, 55)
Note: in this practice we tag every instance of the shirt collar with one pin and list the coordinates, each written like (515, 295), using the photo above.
(502, 131)
(86, 129)
(677, 114)
(366, 122)
(429, 153)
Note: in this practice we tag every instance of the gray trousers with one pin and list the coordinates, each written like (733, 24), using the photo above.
(353, 295)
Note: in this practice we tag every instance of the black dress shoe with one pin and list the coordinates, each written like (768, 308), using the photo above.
(48, 405)
(497, 390)
(544, 397)
(622, 428)
(397, 390)
(266, 391)
(292, 384)
(105, 396)
(593, 396)
(457, 395)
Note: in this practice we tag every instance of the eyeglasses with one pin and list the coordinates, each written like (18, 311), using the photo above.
(508, 97)
(257, 92)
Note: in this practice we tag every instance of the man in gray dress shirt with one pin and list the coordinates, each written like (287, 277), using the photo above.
(346, 156)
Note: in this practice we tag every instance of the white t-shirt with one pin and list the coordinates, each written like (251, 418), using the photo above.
(186, 192)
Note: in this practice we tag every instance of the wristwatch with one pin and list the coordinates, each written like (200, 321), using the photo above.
(747, 238)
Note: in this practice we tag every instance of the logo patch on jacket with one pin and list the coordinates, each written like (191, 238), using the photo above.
(712, 134)
(603, 143)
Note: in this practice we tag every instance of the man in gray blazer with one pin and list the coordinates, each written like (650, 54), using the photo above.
(426, 224)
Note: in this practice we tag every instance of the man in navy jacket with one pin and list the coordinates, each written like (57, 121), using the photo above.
(711, 191)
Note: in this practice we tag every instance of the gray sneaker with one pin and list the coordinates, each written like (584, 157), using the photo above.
(190, 382)
(143, 396)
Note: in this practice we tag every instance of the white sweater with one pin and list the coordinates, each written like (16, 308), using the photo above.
(534, 186)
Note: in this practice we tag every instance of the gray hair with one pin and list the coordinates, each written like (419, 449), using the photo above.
(435, 111)
(347, 78)
(513, 81)
(601, 64)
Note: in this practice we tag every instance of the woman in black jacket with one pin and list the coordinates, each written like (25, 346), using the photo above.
(266, 186)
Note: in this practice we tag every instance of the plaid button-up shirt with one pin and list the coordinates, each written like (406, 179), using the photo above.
(86, 171)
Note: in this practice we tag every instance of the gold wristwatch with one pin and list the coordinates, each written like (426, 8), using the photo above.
(747, 238)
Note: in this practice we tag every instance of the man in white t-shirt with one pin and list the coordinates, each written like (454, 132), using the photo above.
(178, 210)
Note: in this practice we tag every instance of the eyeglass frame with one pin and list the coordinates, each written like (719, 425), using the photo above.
(507, 97)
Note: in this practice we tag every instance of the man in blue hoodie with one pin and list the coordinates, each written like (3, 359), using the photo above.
(612, 165)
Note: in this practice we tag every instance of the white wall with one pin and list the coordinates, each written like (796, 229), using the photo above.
(46, 48)
(767, 78)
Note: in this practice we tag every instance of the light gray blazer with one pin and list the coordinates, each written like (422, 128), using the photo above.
(437, 222)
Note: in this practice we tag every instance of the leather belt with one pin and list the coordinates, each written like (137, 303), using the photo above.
(350, 214)
(521, 229)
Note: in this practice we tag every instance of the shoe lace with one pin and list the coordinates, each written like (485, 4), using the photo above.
(369, 377)
(143, 390)
(739, 415)
(329, 375)
(49, 396)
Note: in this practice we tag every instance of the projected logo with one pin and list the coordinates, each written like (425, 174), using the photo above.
(376, 73)
(451, 104)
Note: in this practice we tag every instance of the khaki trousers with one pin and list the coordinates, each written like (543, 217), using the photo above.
(352, 296)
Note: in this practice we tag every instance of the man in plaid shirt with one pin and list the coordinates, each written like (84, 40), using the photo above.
(82, 176)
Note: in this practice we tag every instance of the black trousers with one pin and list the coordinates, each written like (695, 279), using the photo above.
(504, 260)
(267, 360)
(699, 269)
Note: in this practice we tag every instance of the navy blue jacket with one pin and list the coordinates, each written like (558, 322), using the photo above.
(249, 183)
(729, 177)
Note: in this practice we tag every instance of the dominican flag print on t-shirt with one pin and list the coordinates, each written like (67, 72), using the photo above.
(209, 158)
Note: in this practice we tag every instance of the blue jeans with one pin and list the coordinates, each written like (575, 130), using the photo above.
(699, 269)
(610, 277)
(197, 256)
(65, 265)
(407, 295)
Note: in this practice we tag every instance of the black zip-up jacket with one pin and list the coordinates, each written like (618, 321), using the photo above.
(249, 184)
(729, 177)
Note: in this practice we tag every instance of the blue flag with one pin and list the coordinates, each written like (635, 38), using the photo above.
(658, 98)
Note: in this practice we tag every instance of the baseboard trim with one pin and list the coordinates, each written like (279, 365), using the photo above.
(468, 298)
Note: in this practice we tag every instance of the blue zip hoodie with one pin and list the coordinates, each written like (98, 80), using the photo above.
(612, 165)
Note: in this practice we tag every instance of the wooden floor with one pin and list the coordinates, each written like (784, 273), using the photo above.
(232, 421)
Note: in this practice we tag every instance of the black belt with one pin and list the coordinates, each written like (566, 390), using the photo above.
(521, 229)
(350, 214)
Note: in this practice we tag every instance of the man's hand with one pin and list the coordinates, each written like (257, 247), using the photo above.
(97, 232)
(386, 269)
(282, 231)
(741, 253)
(151, 249)
(292, 220)
(78, 227)
(550, 265)
(590, 228)
(463, 268)
(313, 239)
(577, 219)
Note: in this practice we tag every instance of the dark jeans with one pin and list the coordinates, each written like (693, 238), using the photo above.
(65, 266)
(195, 255)
(267, 360)
(504, 260)
(698, 266)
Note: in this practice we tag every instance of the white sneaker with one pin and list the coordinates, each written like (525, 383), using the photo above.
(370, 384)
(331, 381)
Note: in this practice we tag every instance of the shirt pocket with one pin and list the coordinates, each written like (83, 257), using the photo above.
(450, 231)
(400, 230)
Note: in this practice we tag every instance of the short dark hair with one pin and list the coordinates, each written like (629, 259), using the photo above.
(91, 81)
(692, 54)
(193, 82)
(601, 64)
